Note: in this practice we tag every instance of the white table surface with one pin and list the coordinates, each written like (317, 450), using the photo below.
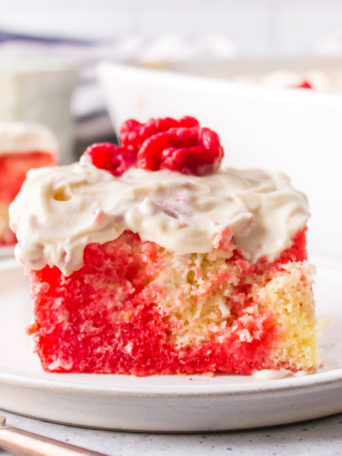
(319, 437)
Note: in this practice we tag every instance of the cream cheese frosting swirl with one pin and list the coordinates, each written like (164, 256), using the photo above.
(62, 209)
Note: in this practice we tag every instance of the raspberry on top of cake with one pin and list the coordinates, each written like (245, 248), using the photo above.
(22, 146)
(148, 258)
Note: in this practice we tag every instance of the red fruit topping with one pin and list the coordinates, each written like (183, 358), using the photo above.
(178, 145)
(111, 157)
(304, 85)
(187, 150)
(134, 133)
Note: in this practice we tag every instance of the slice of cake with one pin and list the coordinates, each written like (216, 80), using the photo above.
(148, 258)
(22, 146)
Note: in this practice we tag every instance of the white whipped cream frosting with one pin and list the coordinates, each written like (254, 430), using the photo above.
(62, 209)
(26, 137)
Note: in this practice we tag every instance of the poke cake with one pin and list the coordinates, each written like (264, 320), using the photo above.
(22, 146)
(150, 258)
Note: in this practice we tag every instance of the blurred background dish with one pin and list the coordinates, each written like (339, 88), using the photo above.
(37, 86)
(323, 73)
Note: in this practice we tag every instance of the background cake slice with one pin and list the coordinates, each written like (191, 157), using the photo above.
(22, 146)
(147, 258)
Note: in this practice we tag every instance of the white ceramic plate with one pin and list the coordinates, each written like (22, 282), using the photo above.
(163, 403)
(6, 252)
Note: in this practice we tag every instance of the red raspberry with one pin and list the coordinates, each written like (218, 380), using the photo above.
(134, 133)
(150, 153)
(111, 157)
(187, 150)
(304, 85)
(177, 145)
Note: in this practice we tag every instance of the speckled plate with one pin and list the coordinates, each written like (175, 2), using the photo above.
(164, 403)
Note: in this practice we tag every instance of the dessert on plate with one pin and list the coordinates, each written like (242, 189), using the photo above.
(22, 146)
(149, 258)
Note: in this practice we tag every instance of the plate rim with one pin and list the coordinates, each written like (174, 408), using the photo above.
(283, 385)
(307, 383)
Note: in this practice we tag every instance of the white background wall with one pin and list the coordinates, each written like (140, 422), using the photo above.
(255, 26)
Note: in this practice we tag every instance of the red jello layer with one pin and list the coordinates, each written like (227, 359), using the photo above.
(107, 317)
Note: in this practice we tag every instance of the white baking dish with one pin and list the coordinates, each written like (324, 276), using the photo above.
(295, 131)
(246, 66)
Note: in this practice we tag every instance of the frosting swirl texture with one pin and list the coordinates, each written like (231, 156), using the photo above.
(62, 209)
